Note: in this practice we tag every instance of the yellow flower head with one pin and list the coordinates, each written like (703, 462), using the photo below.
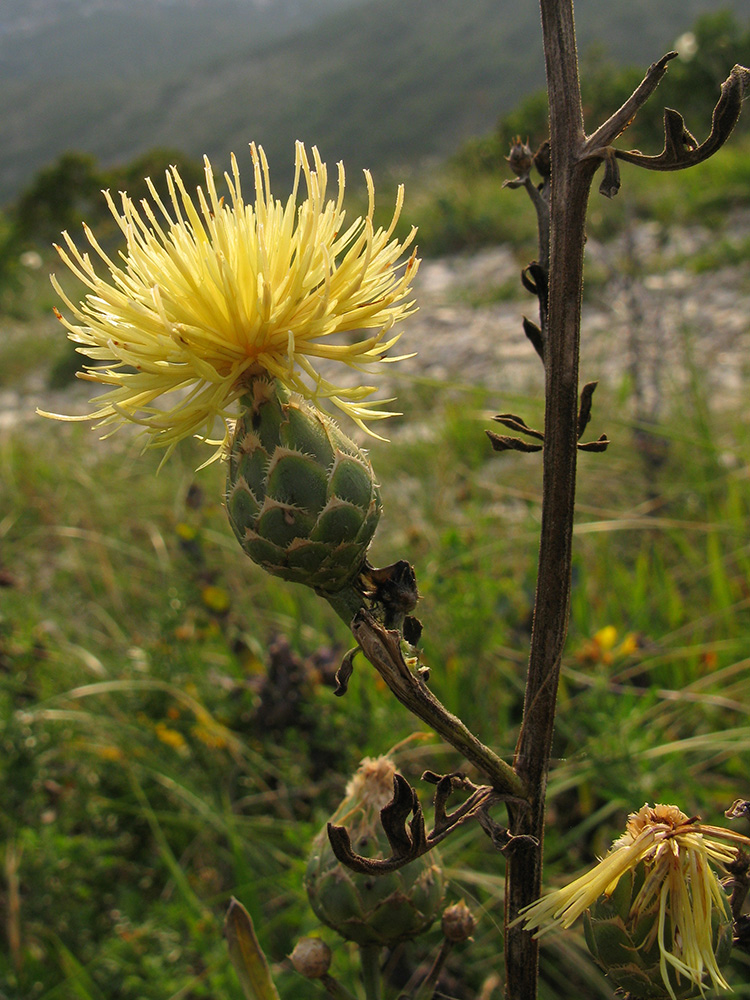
(209, 294)
(678, 894)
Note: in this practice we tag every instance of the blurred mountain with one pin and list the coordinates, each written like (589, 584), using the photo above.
(45, 40)
(383, 83)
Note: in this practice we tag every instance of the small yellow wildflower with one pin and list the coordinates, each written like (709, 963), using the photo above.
(603, 648)
(606, 637)
(629, 645)
(171, 737)
(213, 737)
(208, 295)
(675, 902)
(216, 599)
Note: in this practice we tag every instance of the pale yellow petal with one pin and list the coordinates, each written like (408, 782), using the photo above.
(209, 293)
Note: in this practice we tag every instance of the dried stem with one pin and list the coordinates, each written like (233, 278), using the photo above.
(570, 184)
(681, 149)
(574, 159)
(620, 120)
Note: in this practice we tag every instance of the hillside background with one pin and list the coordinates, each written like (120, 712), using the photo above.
(385, 84)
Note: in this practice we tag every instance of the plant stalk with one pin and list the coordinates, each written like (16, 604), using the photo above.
(371, 977)
(570, 185)
(334, 989)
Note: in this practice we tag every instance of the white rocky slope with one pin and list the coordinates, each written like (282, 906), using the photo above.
(659, 326)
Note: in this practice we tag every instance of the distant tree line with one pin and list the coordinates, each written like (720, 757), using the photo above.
(70, 189)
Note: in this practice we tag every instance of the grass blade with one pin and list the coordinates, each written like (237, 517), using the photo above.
(247, 955)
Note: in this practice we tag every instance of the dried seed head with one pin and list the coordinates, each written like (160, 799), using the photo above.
(458, 922)
(520, 158)
(378, 909)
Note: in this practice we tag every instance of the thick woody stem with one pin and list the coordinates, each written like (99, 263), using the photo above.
(570, 184)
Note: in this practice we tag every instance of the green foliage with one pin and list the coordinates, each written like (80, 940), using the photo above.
(10, 264)
(692, 86)
(69, 192)
(458, 206)
(463, 205)
(459, 211)
(456, 213)
(61, 197)
(154, 164)
(58, 198)
(151, 758)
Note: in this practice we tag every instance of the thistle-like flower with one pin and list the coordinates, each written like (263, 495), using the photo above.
(214, 304)
(657, 917)
(209, 295)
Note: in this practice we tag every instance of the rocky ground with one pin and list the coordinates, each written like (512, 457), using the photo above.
(646, 312)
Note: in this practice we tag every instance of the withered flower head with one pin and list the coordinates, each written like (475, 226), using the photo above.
(674, 910)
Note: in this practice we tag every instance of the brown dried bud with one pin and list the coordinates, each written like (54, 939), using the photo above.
(542, 159)
(458, 922)
(311, 957)
(520, 158)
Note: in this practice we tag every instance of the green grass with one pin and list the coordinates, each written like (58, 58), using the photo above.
(142, 785)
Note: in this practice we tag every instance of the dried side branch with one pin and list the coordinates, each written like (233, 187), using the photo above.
(515, 423)
(408, 838)
(619, 121)
(680, 148)
(584, 410)
(584, 416)
(503, 442)
(601, 444)
(534, 280)
(535, 336)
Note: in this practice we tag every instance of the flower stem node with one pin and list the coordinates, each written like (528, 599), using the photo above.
(301, 496)
(520, 159)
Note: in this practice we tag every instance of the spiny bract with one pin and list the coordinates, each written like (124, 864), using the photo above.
(301, 496)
